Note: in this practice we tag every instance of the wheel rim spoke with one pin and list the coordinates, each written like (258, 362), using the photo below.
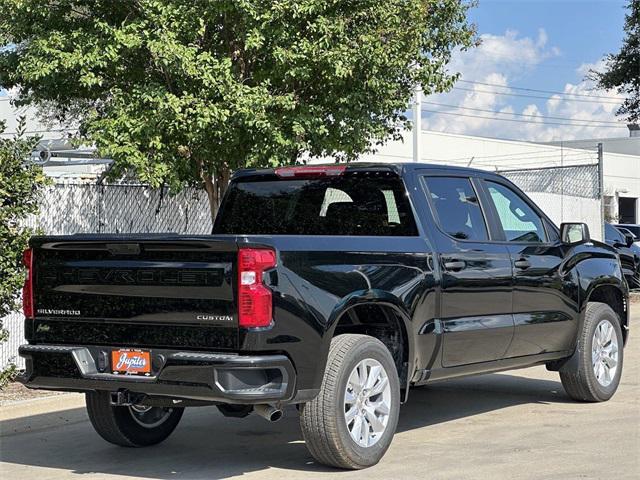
(379, 387)
(372, 376)
(381, 407)
(365, 431)
(376, 424)
(351, 414)
(354, 382)
(357, 429)
(362, 375)
(610, 362)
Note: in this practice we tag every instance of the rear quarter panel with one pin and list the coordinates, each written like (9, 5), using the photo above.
(319, 278)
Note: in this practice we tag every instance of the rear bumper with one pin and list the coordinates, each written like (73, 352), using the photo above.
(213, 377)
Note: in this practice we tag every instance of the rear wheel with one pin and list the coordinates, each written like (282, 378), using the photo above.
(600, 355)
(130, 426)
(351, 423)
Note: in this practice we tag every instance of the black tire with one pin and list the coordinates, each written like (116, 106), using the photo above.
(580, 381)
(117, 425)
(322, 420)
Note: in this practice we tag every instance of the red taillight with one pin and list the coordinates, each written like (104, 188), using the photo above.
(254, 298)
(27, 290)
(313, 171)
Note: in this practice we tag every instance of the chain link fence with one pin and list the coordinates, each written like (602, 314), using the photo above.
(565, 194)
(85, 208)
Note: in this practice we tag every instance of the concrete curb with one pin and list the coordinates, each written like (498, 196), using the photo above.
(39, 406)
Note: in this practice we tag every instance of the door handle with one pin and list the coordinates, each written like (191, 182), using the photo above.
(522, 264)
(454, 265)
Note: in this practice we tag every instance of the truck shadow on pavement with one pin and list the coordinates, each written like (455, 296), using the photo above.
(207, 445)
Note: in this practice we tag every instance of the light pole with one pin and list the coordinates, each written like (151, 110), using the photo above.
(417, 124)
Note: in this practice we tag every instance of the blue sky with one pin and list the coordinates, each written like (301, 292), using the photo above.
(539, 44)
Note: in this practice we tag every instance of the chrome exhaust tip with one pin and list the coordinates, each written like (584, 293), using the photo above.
(268, 412)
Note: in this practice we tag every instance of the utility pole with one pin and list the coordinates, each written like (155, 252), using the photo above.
(417, 124)
(561, 181)
(601, 187)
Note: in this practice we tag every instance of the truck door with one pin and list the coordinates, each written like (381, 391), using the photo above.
(545, 316)
(476, 288)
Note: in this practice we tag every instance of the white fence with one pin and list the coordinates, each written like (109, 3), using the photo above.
(85, 208)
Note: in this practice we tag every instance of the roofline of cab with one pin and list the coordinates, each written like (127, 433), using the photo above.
(398, 168)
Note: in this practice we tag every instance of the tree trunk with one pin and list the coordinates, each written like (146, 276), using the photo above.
(215, 186)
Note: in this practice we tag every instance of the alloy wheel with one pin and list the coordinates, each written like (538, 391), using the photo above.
(604, 353)
(367, 402)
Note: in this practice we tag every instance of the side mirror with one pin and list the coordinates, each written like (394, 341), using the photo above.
(628, 239)
(571, 233)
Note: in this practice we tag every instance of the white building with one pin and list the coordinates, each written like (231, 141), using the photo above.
(621, 180)
(620, 157)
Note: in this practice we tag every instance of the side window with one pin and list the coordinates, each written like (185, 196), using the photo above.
(457, 207)
(519, 221)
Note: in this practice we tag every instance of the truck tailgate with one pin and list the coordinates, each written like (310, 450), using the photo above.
(135, 291)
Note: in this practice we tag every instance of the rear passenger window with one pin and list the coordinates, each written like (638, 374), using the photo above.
(457, 208)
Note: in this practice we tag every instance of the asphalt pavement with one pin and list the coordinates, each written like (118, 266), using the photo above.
(512, 425)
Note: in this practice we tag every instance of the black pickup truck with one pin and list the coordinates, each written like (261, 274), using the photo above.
(334, 288)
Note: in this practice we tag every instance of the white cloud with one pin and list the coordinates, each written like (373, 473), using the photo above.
(503, 61)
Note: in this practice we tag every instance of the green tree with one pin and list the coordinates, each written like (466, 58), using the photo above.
(623, 69)
(19, 185)
(184, 91)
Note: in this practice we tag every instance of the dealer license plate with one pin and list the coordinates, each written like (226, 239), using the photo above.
(129, 361)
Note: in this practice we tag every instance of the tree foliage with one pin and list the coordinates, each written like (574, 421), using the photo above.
(623, 69)
(184, 91)
(19, 184)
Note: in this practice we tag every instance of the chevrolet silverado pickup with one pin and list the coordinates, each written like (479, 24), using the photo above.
(334, 288)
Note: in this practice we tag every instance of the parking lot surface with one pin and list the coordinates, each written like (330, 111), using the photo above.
(512, 425)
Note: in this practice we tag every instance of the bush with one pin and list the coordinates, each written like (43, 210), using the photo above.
(20, 182)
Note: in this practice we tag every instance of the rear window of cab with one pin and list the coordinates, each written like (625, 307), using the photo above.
(357, 203)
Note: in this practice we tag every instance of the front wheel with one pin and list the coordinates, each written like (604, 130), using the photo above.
(130, 426)
(596, 376)
(351, 423)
